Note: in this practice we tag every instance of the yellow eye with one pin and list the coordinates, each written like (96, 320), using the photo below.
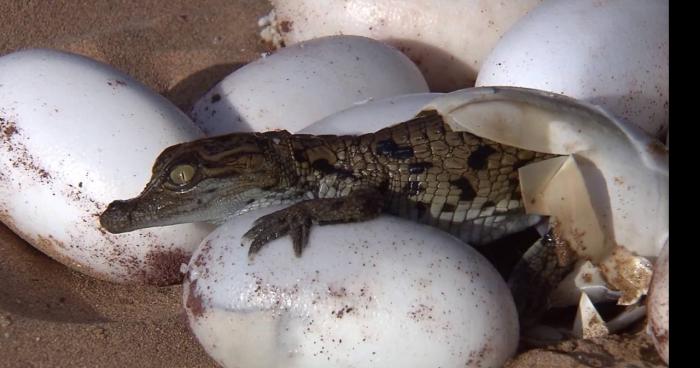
(182, 174)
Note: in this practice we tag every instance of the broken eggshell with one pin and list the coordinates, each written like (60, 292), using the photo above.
(301, 84)
(658, 305)
(610, 53)
(386, 293)
(446, 39)
(588, 323)
(585, 278)
(370, 116)
(607, 195)
(76, 134)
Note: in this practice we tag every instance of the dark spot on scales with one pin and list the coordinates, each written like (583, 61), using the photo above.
(325, 167)
(250, 201)
(479, 158)
(419, 167)
(412, 188)
(468, 193)
(215, 98)
(389, 148)
(299, 155)
(449, 207)
(488, 204)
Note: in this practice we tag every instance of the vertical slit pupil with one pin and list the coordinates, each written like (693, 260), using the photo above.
(182, 174)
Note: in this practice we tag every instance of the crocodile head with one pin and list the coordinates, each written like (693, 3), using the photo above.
(205, 180)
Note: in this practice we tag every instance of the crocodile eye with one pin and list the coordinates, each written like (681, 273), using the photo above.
(182, 174)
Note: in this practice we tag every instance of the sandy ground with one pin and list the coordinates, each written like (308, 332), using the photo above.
(51, 316)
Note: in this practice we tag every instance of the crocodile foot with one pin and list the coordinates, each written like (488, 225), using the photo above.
(296, 220)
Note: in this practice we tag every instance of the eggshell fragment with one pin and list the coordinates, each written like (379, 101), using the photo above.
(388, 293)
(76, 134)
(607, 198)
(447, 39)
(585, 278)
(658, 305)
(371, 116)
(588, 323)
(610, 53)
(301, 84)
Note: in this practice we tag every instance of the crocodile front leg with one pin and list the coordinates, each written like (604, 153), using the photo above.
(297, 219)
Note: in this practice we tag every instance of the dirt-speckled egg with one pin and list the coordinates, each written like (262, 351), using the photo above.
(76, 134)
(303, 83)
(613, 53)
(386, 293)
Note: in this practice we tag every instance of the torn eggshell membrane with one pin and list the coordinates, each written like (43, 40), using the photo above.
(607, 195)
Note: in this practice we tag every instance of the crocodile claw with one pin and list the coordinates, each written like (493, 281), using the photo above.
(294, 221)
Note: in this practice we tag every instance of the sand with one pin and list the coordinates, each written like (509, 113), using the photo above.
(51, 316)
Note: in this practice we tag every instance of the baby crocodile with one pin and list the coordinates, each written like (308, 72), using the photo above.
(419, 169)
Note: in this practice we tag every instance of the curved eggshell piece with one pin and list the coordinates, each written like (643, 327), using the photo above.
(614, 183)
(371, 116)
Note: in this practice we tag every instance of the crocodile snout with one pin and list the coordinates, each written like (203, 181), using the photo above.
(117, 218)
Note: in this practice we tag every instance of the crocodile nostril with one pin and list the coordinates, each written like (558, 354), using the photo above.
(117, 217)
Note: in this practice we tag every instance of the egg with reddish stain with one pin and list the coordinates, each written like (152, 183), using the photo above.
(384, 293)
(76, 134)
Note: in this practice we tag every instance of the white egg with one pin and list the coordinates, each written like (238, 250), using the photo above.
(371, 116)
(387, 293)
(448, 39)
(658, 305)
(303, 83)
(611, 53)
(76, 134)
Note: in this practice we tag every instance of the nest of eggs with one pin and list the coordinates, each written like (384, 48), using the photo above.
(384, 292)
